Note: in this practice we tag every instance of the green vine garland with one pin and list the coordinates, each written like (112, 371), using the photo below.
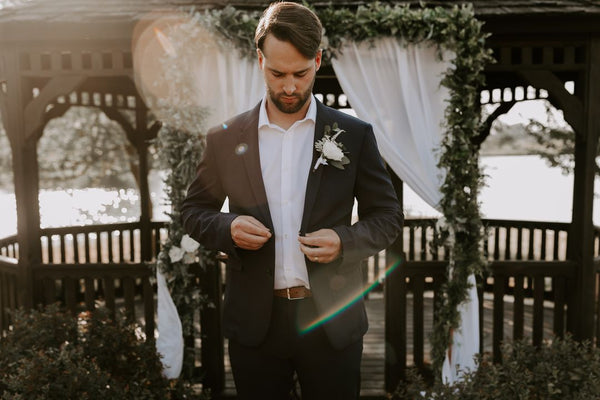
(457, 30)
(180, 145)
(454, 29)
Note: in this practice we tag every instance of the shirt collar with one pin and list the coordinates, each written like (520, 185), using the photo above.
(263, 118)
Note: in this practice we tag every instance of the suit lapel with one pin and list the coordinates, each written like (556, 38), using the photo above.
(249, 136)
(314, 177)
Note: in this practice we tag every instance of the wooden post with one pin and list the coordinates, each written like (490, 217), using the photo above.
(212, 352)
(25, 170)
(395, 334)
(581, 236)
(141, 143)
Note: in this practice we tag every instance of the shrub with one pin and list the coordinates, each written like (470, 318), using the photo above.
(49, 354)
(562, 369)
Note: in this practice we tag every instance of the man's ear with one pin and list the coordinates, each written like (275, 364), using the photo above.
(261, 59)
(318, 58)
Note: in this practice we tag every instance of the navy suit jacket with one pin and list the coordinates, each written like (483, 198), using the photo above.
(230, 167)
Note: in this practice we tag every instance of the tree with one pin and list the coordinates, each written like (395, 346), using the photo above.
(83, 148)
(546, 136)
(557, 140)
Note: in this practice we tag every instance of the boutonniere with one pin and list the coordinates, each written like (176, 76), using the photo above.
(331, 151)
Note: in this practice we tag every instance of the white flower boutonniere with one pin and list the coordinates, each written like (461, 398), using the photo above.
(332, 151)
(185, 252)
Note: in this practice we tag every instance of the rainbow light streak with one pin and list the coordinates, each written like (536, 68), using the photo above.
(329, 316)
(164, 42)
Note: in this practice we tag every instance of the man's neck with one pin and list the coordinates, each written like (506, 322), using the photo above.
(285, 120)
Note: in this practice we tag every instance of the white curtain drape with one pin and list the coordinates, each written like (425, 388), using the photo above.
(169, 343)
(465, 339)
(396, 87)
(227, 84)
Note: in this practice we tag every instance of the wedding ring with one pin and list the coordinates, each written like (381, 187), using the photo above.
(316, 259)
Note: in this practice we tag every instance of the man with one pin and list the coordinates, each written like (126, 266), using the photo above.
(291, 169)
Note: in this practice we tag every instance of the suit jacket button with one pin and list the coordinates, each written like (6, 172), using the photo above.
(270, 272)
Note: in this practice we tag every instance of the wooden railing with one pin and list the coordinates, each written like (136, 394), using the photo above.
(85, 287)
(528, 283)
(98, 244)
(8, 291)
(9, 247)
(525, 240)
(504, 240)
(545, 287)
(86, 267)
(535, 307)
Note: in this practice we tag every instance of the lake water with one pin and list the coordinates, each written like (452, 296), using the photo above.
(517, 187)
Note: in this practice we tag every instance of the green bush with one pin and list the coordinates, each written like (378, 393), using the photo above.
(563, 369)
(49, 354)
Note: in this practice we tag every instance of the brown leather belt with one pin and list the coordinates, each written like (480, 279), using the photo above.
(293, 293)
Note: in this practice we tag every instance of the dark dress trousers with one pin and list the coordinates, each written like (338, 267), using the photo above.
(230, 167)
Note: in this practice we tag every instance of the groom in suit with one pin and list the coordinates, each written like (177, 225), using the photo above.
(291, 169)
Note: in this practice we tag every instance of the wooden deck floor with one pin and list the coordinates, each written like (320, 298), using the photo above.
(372, 369)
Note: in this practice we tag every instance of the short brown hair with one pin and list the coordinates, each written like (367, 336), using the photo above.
(291, 22)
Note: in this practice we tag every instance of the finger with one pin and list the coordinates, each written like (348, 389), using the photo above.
(249, 245)
(256, 222)
(246, 240)
(313, 252)
(307, 240)
(321, 246)
(249, 225)
(308, 251)
(253, 226)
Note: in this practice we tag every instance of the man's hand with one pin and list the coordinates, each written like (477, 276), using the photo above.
(248, 233)
(322, 246)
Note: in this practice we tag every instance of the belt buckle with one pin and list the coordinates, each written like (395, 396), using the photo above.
(289, 297)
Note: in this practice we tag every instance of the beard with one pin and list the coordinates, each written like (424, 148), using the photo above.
(293, 107)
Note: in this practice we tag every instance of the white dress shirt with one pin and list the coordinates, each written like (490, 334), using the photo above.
(285, 161)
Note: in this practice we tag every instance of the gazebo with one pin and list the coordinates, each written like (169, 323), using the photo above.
(55, 55)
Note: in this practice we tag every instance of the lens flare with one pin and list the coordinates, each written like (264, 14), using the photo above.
(164, 41)
(241, 149)
(332, 314)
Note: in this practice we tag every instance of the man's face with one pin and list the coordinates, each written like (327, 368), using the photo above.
(289, 75)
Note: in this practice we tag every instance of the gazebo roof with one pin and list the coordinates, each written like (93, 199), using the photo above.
(78, 10)
(24, 20)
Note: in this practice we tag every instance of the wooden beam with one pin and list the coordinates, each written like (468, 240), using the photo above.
(57, 111)
(25, 171)
(559, 96)
(36, 108)
(395, 306)
(120, 119)
(141, 127)
(581, 236)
